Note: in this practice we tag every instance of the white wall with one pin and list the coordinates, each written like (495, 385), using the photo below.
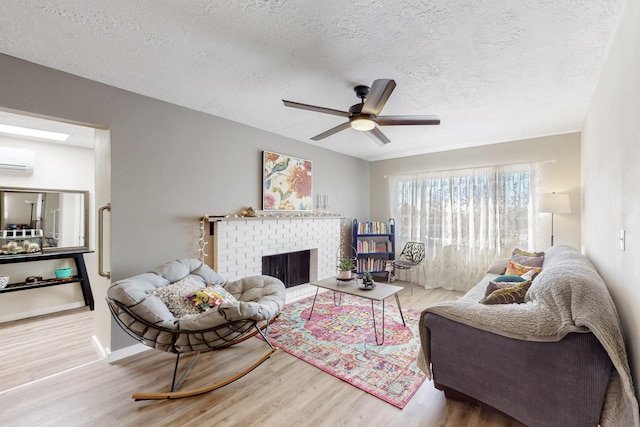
(171, 165)
(57, 167)
(611, 177)
(560, 172)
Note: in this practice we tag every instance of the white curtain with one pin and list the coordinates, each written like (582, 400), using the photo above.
(466, 219)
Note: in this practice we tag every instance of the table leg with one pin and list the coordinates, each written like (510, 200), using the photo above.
(339, 299)
(314, 302)
(375, 330)
(84, 280)
(400, 309)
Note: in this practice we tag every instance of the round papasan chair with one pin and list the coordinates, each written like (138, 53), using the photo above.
(164, 309)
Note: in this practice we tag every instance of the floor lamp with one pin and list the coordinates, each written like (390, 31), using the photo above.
(555, 203)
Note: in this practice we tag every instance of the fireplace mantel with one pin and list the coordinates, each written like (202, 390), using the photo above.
(212, 219)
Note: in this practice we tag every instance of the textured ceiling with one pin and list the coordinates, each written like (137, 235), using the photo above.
(492, 70)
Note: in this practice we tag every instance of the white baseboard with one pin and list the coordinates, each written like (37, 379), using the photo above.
(114, 356)
(41, 311)
(98, 347)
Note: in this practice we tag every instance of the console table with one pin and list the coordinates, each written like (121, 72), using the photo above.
(81, 277)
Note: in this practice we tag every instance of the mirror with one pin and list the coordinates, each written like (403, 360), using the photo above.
(33, 220)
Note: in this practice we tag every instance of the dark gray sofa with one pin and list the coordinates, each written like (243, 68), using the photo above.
(556, 360)
(538, 383)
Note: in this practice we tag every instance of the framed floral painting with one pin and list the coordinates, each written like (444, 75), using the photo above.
(286, 183)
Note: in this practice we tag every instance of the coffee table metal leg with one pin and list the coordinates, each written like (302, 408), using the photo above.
(400, 309)
(375, 330)
(339, 299)
(314, 302)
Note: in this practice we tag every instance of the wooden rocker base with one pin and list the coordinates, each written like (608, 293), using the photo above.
(203, 390)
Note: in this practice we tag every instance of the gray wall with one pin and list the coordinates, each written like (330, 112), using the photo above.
(171, 165)
(560, 172)
(611, 177)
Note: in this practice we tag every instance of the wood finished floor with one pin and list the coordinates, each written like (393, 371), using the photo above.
(50, 375)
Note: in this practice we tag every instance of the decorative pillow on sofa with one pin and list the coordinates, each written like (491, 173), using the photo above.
(517, 269)
(530, 275)
(173, 295)
(510, 295)
(494, 286)
(210, 297)
(526, 253)
(530, 259)
(509, 278)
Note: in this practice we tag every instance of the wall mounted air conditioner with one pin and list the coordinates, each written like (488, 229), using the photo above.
(16, 159)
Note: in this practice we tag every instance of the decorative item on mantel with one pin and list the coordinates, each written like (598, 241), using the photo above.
(273, 215)
(248, 212)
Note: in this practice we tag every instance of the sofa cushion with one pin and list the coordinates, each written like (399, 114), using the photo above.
(498, 266)
(508, 295)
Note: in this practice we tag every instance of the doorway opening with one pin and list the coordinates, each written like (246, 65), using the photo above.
(77, 163)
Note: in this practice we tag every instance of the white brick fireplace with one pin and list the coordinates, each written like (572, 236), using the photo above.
(240, 243)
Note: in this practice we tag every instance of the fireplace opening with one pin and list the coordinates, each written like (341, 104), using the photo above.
(292, 268)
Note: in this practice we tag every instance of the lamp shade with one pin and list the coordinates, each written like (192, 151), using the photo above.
(555, 203)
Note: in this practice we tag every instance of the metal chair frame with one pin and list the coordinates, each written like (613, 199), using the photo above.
(226, 335)
(412, 255)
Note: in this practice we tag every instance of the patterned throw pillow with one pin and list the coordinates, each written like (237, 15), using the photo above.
(173, 295)
(518, 269)
(530, 259)
(494, 286)
(512, 294)
(210, 297)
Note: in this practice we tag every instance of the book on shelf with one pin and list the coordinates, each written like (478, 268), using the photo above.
(374, 228)
(370, 246)
(371, 264)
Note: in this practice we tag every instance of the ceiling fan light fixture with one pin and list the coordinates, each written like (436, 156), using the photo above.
(362, 123)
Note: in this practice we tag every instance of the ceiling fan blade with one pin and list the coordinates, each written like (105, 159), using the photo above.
(331, 131)
(378, 95)
(316, 108)
(379, 137)
(407, 120)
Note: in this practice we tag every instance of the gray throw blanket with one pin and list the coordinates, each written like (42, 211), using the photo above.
(567, 296)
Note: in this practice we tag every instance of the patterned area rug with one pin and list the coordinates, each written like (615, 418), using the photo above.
(340, 341)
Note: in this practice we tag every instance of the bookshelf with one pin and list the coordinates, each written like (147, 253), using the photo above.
(374, 245)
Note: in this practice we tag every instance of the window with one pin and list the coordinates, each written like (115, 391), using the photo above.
(466, 218)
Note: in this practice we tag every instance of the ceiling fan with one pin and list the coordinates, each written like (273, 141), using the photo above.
(365, 115)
